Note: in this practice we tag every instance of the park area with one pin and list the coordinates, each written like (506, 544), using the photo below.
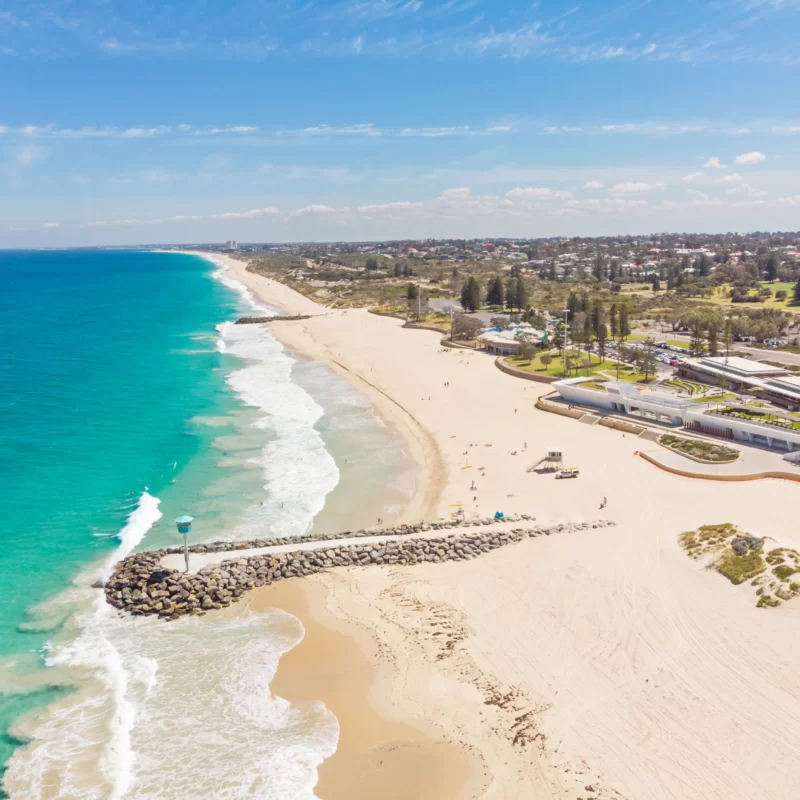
(581, 365)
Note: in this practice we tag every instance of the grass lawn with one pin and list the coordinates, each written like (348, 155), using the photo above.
(725, 397)
(683, 385)
(721, 296)
(758, 416)
(589, 366)
(678, 343)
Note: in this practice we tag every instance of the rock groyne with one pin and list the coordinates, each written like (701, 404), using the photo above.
(261, 320)
(140, 585)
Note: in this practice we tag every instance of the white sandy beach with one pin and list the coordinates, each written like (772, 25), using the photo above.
(605, 658)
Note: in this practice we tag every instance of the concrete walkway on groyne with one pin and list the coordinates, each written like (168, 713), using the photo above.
(198, 561)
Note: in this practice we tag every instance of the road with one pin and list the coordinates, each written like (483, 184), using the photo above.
(762, 354)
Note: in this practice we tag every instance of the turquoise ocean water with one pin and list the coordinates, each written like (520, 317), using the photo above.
(128, 397)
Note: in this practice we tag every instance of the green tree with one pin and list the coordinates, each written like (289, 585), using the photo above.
(713, 334)
(599, 268)
(521, 293)
(697, 342)
(546, 359)
(598, 315)
(612, 320)
(796, 295)
(573, 304)
(772, 267)
(371, 264)
(623, 326)
(647, 359)
(656, 283)
(495, 295)
(602, 338)
(412, 291)
(588, 333)
(511, 293)
(471, 294)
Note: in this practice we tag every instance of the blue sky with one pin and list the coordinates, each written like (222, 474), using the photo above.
(143, 122)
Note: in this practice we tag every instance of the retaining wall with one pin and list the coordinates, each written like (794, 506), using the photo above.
(619, 425)
(521, 373)
(553, 408)
(685, 473)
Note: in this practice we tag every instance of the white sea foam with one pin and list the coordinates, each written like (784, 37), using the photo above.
(89, 735)
(299, 472)
(184, 710)
(140, 520)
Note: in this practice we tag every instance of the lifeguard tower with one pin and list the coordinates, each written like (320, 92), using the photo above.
(552, 460)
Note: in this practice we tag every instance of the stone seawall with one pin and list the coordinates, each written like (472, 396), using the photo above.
(141, 586)
(262, 320)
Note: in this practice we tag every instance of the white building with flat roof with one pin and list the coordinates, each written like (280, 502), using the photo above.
(671, 409)
(775, 384)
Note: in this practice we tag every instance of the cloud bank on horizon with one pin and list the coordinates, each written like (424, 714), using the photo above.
(370, 119)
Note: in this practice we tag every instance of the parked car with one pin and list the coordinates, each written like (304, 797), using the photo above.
(568, 472)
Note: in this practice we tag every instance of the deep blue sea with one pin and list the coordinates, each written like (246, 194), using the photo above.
(127, 397)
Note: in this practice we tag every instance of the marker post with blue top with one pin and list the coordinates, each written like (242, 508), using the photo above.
(184, 524)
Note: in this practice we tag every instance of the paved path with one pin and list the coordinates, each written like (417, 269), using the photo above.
(751, 462)
(199, 560)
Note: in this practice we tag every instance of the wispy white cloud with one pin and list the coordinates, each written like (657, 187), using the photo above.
(751, 158)
(388, 208)
(51, 225)
(593, 185)
(746, 189)
(734, 177)
(714, 163)
(631, 187)
(692, 177)
(28, 155)
(312, 209)
(340, 175)
(255, 212)
(655, 128)
(359, 129)
(228, 129)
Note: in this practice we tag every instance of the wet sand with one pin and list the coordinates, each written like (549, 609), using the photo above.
(377, 756)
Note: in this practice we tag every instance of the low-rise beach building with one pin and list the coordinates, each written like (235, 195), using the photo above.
(509, 341)
(766, 381)
(744, 424)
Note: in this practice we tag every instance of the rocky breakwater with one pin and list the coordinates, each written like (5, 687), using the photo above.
(261, 320)
(141, 586)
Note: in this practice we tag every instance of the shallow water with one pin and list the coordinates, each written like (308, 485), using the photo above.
(251, 442)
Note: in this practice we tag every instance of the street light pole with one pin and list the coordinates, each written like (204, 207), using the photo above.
(566, 337)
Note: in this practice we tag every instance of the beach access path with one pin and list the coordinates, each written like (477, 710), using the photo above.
(199, 560)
